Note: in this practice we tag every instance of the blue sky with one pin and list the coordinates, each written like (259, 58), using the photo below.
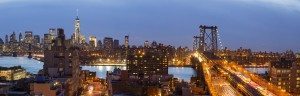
(266, 25)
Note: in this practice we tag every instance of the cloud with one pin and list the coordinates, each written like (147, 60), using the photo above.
(293, 5)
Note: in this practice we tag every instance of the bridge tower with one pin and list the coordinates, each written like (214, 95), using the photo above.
(208, 40)
(196, 43)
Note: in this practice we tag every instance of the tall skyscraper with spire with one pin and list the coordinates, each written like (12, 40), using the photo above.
(20, 37)
(77, 38)
(6, 39)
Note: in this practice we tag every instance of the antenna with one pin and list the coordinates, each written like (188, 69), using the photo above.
(77, 12)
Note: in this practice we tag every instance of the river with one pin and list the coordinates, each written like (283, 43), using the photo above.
(33, 66)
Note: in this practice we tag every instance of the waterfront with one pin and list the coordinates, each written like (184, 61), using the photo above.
(33, 66)
(184, 73)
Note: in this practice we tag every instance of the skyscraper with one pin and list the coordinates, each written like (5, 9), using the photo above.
(28, 37)
(13, 38)
(1, 45)
(99, 44)
(77, 38)
(126, 41)
(37, 39)
(93, 41)
(20, 37)
(147, 44)
(47, 41)
(1, 41)
(52, 33)
(108, 43)
(116, 44)
(6, 39)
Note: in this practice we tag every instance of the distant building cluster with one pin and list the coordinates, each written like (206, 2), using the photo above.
(247, 57)
(24, 44)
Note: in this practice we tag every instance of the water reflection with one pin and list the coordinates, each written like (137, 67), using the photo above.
(182, 73)
(31, 65)
(258, 70)
(101, 70)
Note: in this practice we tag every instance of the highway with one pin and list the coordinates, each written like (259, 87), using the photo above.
(224, 88)
(235, 79)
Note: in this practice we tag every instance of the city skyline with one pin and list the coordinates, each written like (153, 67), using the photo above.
(149, 47)
(246, 24)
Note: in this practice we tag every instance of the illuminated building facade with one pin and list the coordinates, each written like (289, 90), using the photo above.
(93, 41)
(147, 44)
(47, 41)
(12, 73)
(37, 40)
(52, 33)
(126, 41)
(286, 74)
(28, 37)
(77, 38)
(147, 62)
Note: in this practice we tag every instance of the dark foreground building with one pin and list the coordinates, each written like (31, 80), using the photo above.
(61, 66)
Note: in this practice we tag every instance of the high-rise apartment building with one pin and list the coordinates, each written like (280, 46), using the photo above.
(147, 62)
(286, 74)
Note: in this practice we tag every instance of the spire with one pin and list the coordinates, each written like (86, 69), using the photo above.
(77, 18)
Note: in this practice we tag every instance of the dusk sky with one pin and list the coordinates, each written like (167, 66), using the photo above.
(266, 25)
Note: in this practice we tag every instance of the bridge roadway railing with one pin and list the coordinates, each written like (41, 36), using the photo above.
(208, 80)
(207, 74)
